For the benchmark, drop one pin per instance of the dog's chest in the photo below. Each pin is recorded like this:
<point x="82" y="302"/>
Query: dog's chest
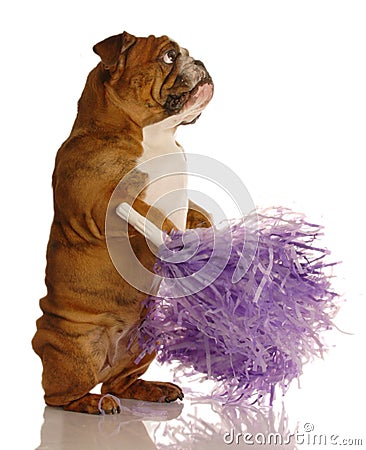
<point x="165" y="164"/>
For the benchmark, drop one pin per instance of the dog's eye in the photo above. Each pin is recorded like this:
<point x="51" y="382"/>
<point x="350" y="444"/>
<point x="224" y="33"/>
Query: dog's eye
<point x="169" y="57"/>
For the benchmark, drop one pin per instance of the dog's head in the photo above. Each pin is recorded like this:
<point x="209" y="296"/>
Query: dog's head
<point x="152" y="79"/>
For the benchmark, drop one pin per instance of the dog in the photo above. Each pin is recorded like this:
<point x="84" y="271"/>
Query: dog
<point x="133" y="101"/>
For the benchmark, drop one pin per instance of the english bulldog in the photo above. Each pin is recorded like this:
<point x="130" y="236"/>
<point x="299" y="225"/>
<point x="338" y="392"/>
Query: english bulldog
<point x="133" y="101"/>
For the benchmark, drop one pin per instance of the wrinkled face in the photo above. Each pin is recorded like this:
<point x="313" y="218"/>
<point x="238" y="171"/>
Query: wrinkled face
<point x="155" y="79"/>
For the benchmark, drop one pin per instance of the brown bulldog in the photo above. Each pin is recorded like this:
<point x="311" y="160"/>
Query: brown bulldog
<point x="131" y="105"/>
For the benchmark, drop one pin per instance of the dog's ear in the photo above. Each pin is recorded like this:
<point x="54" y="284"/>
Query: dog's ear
<point x="111" y="49"/>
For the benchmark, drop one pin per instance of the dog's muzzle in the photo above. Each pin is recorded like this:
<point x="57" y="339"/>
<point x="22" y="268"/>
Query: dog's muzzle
<point x="193" y="74"/>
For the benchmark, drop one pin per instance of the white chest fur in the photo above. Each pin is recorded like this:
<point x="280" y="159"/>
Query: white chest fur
<point x="165" y="164"/>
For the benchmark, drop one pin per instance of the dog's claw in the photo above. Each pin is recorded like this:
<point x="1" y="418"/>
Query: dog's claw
<point x="169" y="400"/>
<point x="116" y="410"/>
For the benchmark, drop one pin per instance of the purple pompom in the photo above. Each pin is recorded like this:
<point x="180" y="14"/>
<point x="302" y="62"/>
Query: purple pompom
<point x="244" y="305"/>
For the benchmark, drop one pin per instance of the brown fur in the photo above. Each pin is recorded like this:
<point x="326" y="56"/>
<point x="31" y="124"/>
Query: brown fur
<point x="89" y="309"/>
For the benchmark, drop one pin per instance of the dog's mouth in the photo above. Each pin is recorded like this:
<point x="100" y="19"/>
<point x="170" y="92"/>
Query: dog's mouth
<point x="196" y="98"/>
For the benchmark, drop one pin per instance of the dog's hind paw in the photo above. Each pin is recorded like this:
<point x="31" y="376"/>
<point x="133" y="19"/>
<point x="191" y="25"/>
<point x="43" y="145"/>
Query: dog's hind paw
<point x="95" y="404"/>
<point x="153" y="391"/>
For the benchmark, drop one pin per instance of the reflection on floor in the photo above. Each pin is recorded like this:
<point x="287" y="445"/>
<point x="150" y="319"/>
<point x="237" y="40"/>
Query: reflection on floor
<point x="189" y="425"/>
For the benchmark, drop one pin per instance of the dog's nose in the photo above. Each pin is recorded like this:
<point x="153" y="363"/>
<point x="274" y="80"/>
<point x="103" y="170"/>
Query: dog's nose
<point x="200" y="64"/>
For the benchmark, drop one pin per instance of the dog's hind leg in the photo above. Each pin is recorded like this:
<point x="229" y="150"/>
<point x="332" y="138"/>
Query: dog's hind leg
<point x="125" y="382"/>
<point x="70" y="372"/>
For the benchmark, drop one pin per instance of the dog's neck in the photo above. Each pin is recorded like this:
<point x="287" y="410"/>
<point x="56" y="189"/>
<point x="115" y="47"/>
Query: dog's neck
<point x="165" y="163"/>
<point x="158" y="140"/>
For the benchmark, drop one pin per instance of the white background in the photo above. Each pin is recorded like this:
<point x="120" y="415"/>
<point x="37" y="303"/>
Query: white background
<point x="288" y="116"/>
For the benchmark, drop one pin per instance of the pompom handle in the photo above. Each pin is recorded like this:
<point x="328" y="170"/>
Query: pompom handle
<point x="141" y="224"/>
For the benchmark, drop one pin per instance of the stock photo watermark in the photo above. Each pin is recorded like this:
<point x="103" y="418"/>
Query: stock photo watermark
<point x="215" y="181"/>
<point x="307" y="436"/>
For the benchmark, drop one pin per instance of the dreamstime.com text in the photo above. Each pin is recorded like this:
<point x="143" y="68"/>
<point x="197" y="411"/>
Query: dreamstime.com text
<point x="307" y="437"/>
